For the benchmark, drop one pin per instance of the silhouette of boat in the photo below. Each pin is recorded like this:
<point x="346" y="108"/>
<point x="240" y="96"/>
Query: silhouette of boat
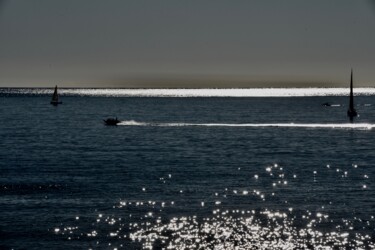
<point x="55" y="98"/>
<point x="326" y="104"/>
<point x="111" y="121"/>
<point x="351" y="110"/>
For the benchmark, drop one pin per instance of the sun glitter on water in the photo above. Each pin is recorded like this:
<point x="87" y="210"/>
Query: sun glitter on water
<point x="229" y="227"/>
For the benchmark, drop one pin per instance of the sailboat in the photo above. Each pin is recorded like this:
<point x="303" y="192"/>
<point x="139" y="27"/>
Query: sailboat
<point x="55" y="98"/>
<point x="351" y="111"/>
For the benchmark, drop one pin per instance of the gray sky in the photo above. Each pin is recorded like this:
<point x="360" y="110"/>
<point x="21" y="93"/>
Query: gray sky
<point x="217" y="43"/>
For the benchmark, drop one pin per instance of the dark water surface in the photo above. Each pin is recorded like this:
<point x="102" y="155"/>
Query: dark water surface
<point x="178" y="174"/>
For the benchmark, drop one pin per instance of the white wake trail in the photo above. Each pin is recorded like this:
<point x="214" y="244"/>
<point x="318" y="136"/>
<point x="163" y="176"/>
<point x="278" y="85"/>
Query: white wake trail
<point x="363" y="126"/>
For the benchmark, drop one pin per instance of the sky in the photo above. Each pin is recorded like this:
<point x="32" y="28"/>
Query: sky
<point x="186" y="44"/>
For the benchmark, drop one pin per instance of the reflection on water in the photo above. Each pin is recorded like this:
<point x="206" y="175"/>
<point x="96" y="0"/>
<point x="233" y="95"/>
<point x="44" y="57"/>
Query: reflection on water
<point x="227" y="229"/>
<point x="186" y="173"/>
<point x="259" y="230"/>
<point x="217" y="222"/>
<point x="253" y="92"/>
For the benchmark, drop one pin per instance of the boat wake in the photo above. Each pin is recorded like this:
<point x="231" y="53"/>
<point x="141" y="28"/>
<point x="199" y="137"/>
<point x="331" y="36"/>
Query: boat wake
<point x="361" y="126"/>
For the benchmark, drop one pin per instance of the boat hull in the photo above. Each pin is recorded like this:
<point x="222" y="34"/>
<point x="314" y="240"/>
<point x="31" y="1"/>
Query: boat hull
<point x="352" y="113"/>
<point x="111" y="122"/>
<point x="55" y="103"/>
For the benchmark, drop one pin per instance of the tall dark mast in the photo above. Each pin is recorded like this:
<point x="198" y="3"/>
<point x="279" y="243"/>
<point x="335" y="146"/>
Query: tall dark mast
<point x="351" y="111"/>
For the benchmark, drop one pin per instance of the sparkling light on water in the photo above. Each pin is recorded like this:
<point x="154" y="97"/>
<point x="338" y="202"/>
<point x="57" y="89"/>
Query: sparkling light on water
<point x="178" y="181"/>
<point x="263" y="228"/>
<point x="254" y="92"/>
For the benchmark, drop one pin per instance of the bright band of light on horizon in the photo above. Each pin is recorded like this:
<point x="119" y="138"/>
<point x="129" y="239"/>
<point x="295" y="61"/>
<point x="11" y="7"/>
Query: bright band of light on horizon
<point x="253" y="92"/>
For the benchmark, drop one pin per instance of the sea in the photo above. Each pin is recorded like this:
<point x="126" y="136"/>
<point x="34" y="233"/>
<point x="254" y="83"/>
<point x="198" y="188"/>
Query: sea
<point x="187" y="169"/>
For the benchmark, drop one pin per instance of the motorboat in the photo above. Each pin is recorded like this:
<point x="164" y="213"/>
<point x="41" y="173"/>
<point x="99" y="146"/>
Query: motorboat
<point x="111" y="121"/>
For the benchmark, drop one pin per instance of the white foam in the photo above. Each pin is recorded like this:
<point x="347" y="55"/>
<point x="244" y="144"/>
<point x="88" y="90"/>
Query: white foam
<point x="364" y="126"/>
<point x="133" y="123"/>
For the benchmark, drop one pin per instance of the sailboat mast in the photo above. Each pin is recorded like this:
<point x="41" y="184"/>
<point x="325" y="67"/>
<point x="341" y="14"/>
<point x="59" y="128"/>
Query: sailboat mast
<point x="55" y="96"/>
<point x="351" y="102"/>
<point x="351" y="111"/>
<point x="55" y="93"/>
